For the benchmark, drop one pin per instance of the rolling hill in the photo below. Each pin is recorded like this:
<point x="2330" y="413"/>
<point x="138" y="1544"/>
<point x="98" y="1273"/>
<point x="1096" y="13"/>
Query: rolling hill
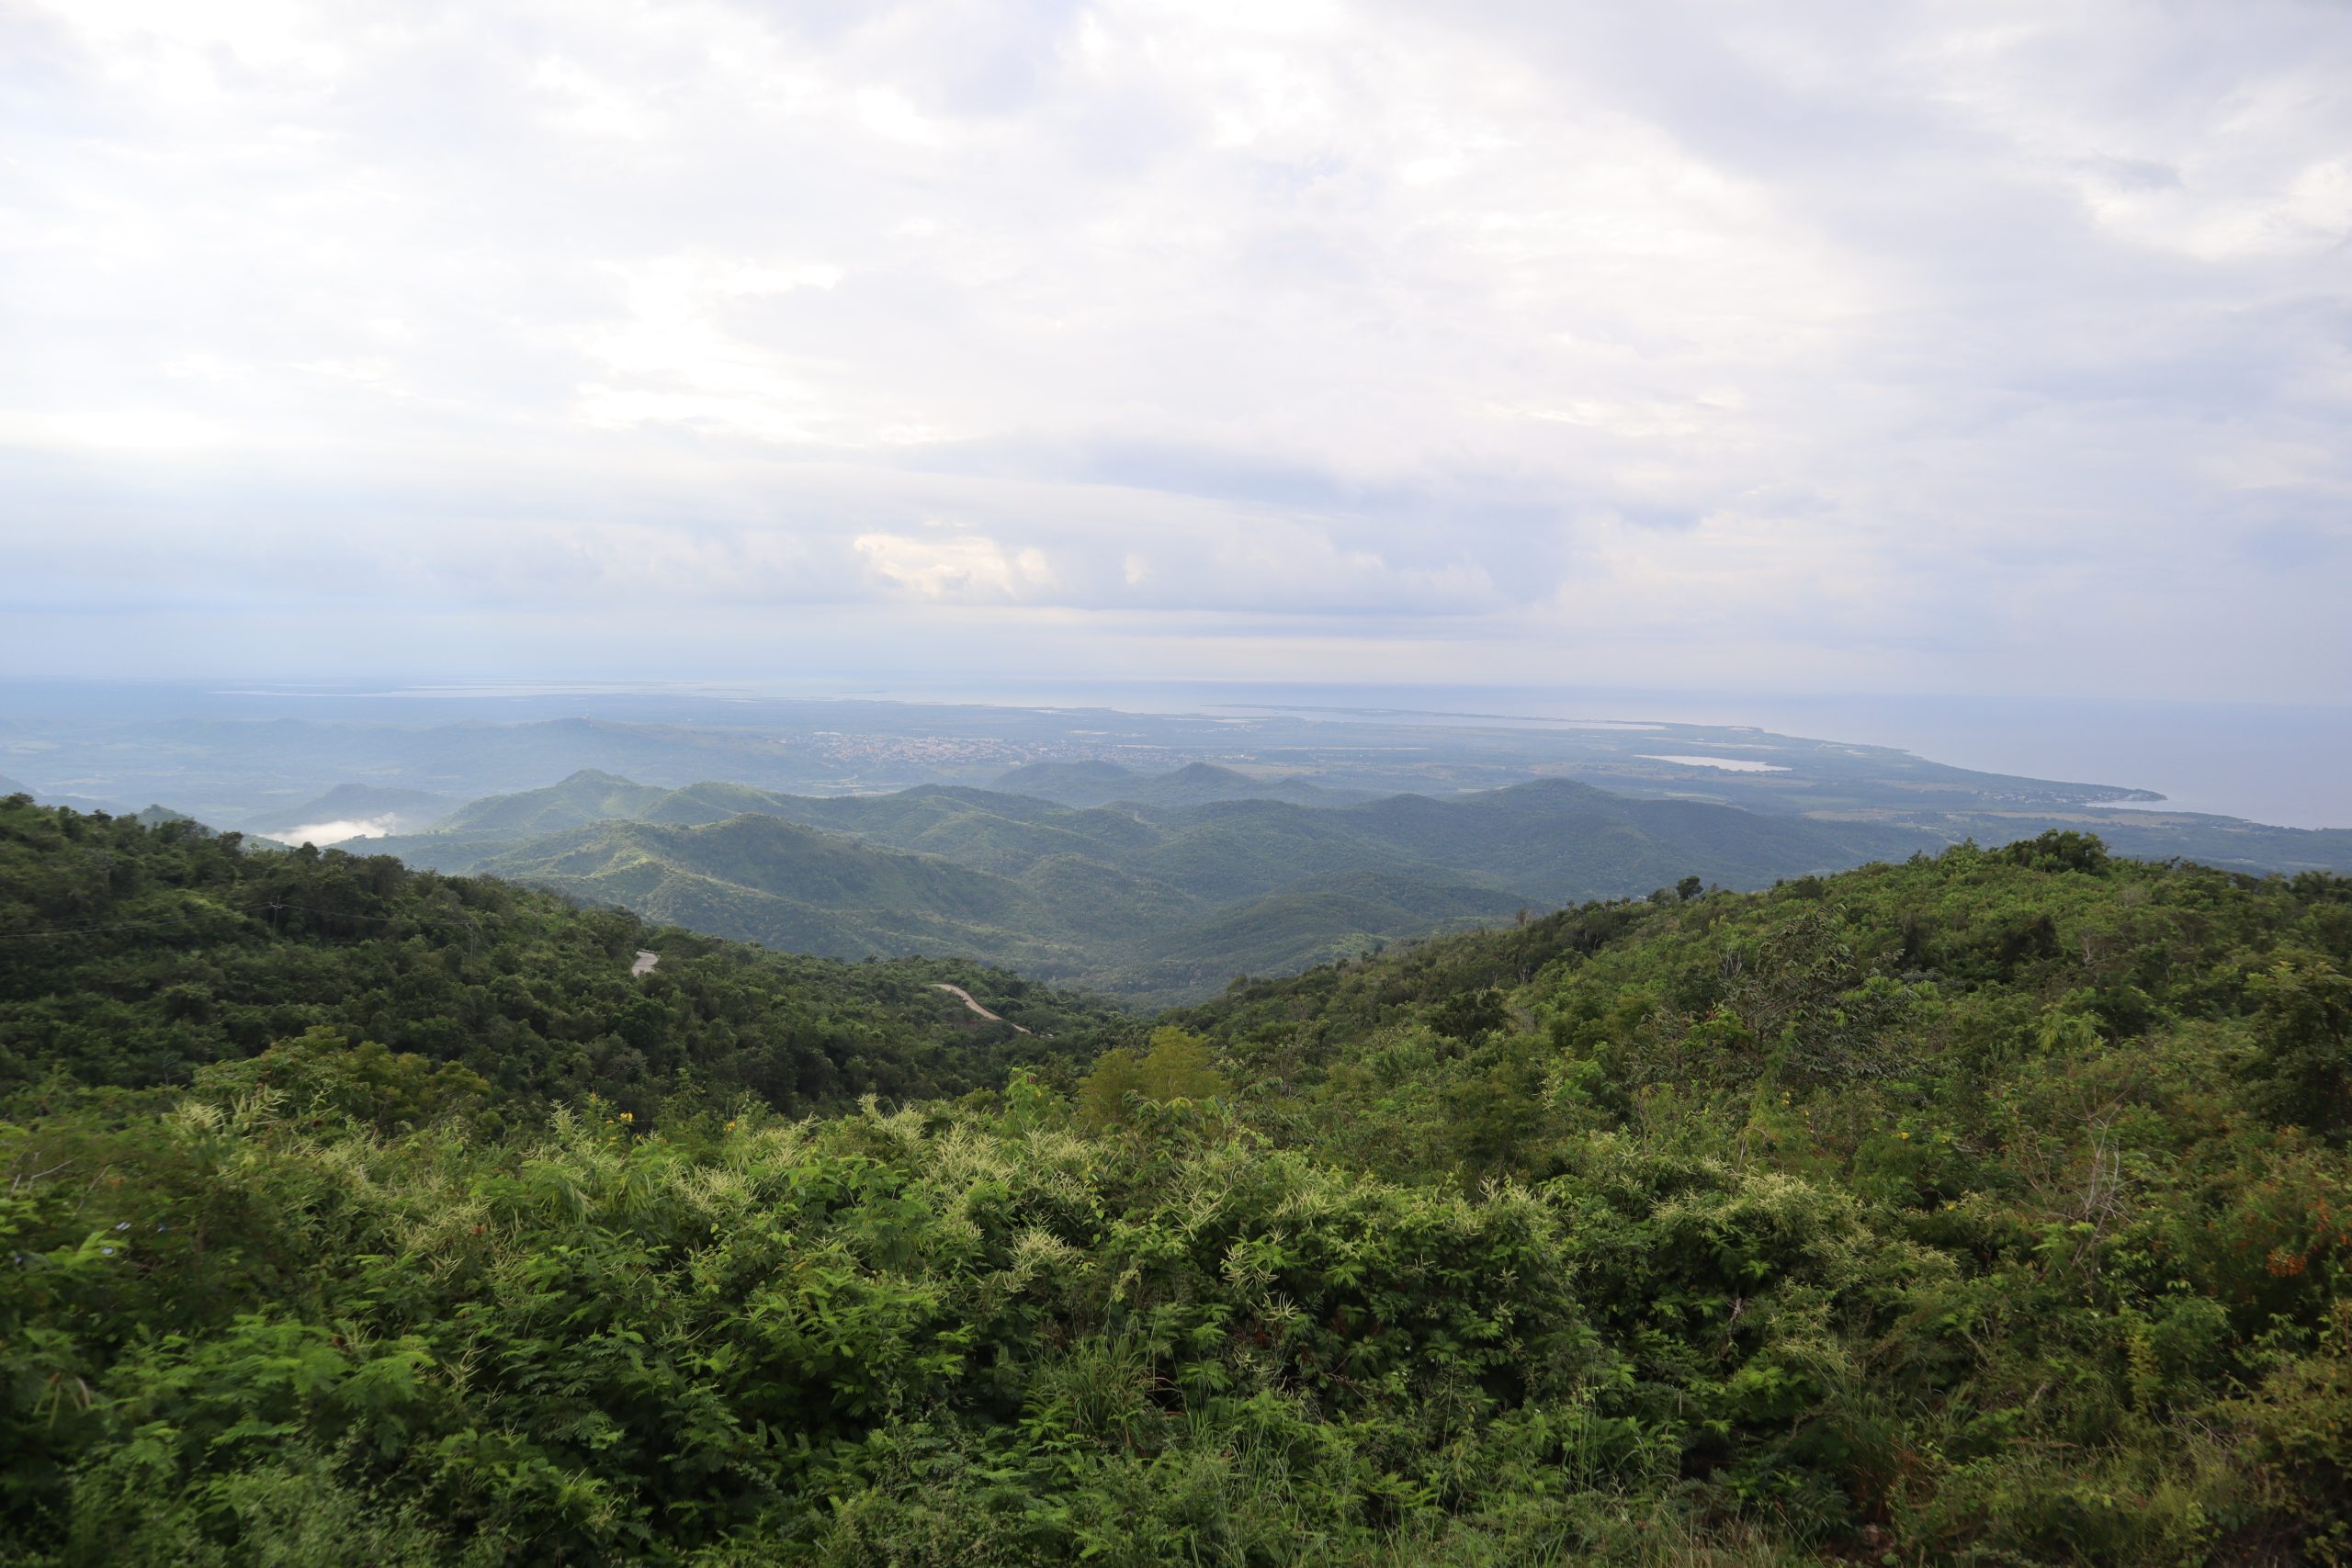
<point x="1196" y="784"/>
<point x="1150" y="903"/>
<point x="792" y="887"/>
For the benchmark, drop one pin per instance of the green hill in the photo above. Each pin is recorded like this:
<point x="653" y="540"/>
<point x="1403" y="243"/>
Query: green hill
<point x="792" y="887"/>
<point x="586" y="797"/>
<point x="1302" y="925"/>
<point x="1570" y="840"/>
<point x="1153" y="905"/>
<point x="1987" y="1208"/>
<point x="1071" y="784"/>
<point x="981" y="829"/>
<point x="1195" y="784"/>
<point x="138" y="954"/>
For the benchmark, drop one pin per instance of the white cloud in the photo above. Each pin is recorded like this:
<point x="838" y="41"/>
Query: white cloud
<point x="962" y="567"/>
<point x="338" y="831"/>
<point x="584" y="103"/>
<point x="116" y="429"/>
<point x="1951" y="346"/>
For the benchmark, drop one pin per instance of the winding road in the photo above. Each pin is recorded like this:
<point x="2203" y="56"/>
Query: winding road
<point x="647" y="959"/>
<point x="960" y="991"/>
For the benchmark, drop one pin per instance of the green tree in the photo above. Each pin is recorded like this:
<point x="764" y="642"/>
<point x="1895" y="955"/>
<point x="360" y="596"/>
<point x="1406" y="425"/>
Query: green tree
<point x="1177" y="1066"/>
<point x="2060" y="849"/>
<point x="322" y="1071"/>
<point x="2303" y="1042"/>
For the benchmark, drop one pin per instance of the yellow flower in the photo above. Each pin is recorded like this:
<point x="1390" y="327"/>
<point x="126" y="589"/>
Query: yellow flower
<point x="630" y="1116"/>
<point x="1902" y="1134"/>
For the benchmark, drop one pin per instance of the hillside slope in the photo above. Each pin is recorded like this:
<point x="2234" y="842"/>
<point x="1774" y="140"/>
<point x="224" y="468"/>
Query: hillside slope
<point x="1987" y="1208"/>
<point x="586" y="797"/>
<point x="794" y="887"/>
<point x="1151" y="904"/>
<point x="136" y="955"/>
<point x="1195" y="784"/>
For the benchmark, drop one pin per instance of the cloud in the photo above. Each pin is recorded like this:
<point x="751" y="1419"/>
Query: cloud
<point x="961" y="566"/>
<point x="341" y="830"/>
<point x="1856" y="346"/>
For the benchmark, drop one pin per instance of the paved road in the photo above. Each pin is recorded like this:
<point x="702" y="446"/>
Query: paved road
<point x="960" y="991"/>
<point x="645" y="962"/>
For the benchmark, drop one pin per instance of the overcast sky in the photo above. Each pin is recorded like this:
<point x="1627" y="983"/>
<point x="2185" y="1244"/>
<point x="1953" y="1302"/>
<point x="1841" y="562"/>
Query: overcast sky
<point x="1966" y="348"/>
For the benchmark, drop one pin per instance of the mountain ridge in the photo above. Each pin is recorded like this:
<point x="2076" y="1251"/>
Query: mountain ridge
<point x="1148" y="903"/>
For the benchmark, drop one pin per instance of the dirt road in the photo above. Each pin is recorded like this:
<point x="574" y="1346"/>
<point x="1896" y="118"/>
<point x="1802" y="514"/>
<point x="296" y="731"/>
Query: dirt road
<point x="645" y="963"/>
<point x="960" y="991"/>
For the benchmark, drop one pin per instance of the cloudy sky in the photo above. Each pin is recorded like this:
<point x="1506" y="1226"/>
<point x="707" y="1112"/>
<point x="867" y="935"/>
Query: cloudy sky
<point x="1969" y="347"/>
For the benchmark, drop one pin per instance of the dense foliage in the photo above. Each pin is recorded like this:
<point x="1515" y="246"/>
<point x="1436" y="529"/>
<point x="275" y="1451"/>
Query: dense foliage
<point x="134" y="954"/>
<point x="1989" y="1208"/>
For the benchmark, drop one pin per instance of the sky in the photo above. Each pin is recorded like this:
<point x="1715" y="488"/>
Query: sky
<point x="1881" y="348"/>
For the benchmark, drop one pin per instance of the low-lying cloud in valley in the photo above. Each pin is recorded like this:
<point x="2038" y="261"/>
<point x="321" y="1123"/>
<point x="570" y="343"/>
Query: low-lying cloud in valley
<point x="342" y="831"/>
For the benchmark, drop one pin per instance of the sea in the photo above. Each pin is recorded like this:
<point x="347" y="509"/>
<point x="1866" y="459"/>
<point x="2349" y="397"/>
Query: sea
<point x="2287" y="765"/>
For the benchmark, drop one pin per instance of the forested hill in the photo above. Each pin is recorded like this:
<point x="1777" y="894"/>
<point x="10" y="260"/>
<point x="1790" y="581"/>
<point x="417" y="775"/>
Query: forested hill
<point x="135" y="955"/>
<point x="1153" y="905"/>
<point x="1950" y="990"/>
<point x="1990" y="1208"/>
<point x="1196" y="784"/>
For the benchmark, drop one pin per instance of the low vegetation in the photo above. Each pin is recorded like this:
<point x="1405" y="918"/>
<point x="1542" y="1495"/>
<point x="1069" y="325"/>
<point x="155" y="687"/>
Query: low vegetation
<point x="1990" y="1207"/>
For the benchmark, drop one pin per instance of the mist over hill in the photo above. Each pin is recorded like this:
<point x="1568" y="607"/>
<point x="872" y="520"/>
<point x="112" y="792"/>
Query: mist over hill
<point x="352" y="811"/>
<point x="270" y="760"/>
<point x="228" y="756"/>
<point x="1135" y="853"/>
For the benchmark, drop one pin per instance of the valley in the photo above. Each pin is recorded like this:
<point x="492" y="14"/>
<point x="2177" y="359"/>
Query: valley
<point x="1162" y="888"/>
<point x="1148" y="858"/>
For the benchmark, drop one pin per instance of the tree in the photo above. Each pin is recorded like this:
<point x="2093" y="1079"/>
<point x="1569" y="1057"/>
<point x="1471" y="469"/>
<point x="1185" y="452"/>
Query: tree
<point x="320" y="1070"/>
<point x="2304" y="1030"/>
<point x="2059" y="849"/>
<point x="1178" y="1066"/>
